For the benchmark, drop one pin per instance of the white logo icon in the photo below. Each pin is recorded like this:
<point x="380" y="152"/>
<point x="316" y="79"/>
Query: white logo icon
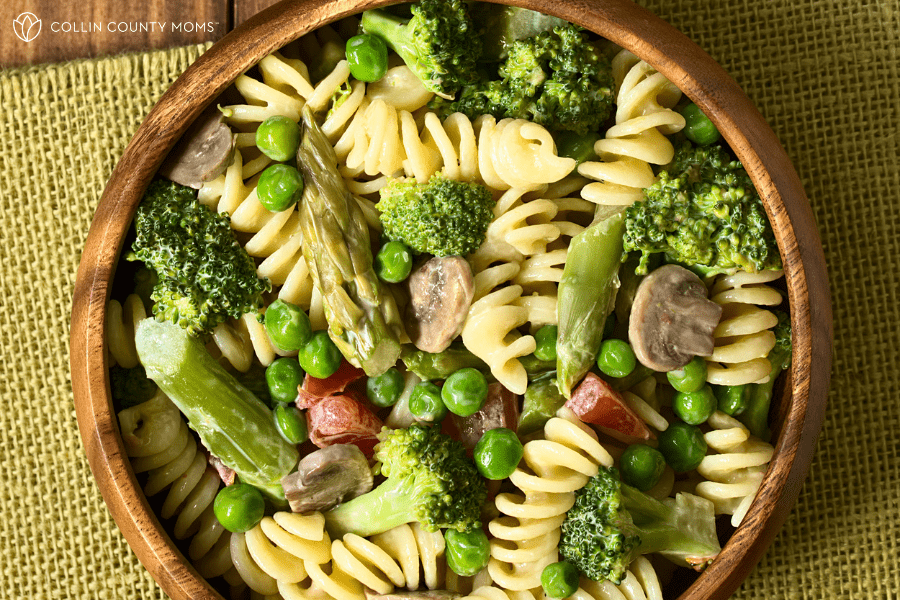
<point x="27" y="26"/>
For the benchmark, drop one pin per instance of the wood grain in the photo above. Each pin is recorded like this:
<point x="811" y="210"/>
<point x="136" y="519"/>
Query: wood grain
<point x="72" y="29"/>
<point x="244" y="9"/>
<point x="803" y="401"/>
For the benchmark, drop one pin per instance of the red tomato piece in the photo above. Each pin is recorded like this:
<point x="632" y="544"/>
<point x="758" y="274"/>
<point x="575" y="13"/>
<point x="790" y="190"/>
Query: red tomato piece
<point x="595" y="402"/>
<point x="501" y="409"/>
<point x="343" y="420"/>
<point x="313" y="389"/>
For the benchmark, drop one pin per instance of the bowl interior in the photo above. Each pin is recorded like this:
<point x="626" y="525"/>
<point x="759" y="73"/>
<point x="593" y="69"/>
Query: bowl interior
<point x="799" y="408"/>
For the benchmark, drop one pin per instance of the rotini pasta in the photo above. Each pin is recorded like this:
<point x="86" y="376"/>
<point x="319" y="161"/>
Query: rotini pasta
<point x="743" y="337"/>
<point x="121" y="321"/>
<point x="527" y="533"/>
<point x="490" y="330"/>
<point x="292" y="555"/>
<point x="159" y="443"/>
<point x="736" y="471"/>
<point x="384" y="140"/>
<point x="644" y="99"/>
<point x="640" y="583"/>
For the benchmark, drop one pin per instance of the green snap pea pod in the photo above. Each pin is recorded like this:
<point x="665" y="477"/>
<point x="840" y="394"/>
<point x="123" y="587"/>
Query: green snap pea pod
<point x="440" y="365"/>
<point x="586" y="293"/>
<point x="232" y="423"/>
<point x="363" y="319"/>
<point x="542" y="400"/>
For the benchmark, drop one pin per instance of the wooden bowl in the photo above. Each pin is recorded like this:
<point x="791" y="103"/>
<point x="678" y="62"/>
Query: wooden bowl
<point x="800" y="408"/>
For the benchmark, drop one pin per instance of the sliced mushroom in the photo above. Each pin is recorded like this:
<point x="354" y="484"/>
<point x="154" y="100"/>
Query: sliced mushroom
<point x="440" y="293"/>
<point x="327" y="477"/>
<point x="671" y="319"/>
<point x="204" y="152"/>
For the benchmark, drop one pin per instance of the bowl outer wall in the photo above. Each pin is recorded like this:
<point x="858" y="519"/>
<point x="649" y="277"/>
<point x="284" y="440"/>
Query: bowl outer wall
<point x="620" y="21"/>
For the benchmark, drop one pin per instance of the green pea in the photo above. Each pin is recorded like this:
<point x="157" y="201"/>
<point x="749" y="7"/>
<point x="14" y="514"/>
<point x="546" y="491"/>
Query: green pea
<point x="279" y="187"/>
<point x="732" y="399"/>
<point x="689" y="378"/>
<point x="393" y="262"/>
<point x="425" y="403"/>
<point x="319" y="356"/>
<point x="239" y="507"/>
<point x="278" y="138"/>
<point x="545" y="338"/>
<point x="464" y="392"/>
<point x="497" y="453"/>
<point x="576" y="145"/>
<point x="559" y="580"/>
<point x="694" y="408"/>
<point x="367" y="56"/>
<point x="642" y="466"/>
<point x="385" y="389"/>
<point x="698" y="127"/>
<point x="291" y="423"/>
<point x="287" y="325"/>
<point x="467" y="553"/>
<point x="283" y="377"/>
<point x="616" y="358"/>
<point x="683" y="446"/>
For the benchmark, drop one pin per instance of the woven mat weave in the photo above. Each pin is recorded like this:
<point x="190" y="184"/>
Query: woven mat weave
<point x="823" y="72"/>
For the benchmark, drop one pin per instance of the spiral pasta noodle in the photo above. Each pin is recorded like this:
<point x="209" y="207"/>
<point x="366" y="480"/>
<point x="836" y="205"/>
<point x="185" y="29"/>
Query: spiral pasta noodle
<point x="733" y="475"/>
<point x="383" y="140"/>
<point x="121" y="321"/>
<point x="643" y="118"/>
<point x="490" y="592"/>
<point x="158" y="442"/>
<point x="640" y="583"/>
<point x="527" y="533"/>
<point x="292" y="555"/>
<point x="743" y="337"/>
<point x="490" y="329"/>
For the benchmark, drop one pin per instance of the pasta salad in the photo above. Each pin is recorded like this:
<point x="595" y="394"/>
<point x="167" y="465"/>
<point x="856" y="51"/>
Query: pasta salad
<point x="449" y="299"/>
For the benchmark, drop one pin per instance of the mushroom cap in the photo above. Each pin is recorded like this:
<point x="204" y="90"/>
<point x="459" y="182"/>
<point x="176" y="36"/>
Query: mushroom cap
<point x="203" y="153"/>
<point x="672" y="320"/>
<point x="327" y="477"/>
<point x="440" y="293"/>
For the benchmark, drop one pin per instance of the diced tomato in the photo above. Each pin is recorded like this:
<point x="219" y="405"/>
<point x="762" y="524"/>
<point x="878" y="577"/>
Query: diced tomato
<point x="595" y="402"/>
<point x="501" y="409"/>
<point x="312" y="390"/>
<point x="226" y="474"/>
<point x="343" y="419"/>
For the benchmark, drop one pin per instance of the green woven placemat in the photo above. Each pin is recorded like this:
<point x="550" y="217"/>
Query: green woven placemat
<point x="823" y="72"/>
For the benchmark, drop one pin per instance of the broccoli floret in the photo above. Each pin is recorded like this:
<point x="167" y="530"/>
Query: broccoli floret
<point x="613" y="523"/>
<point x="441" y="217"/>
<point x="440" y="42"/>
<point x="130" y="387"/>
<point x="759" y="399"/>
<point x="430" y="479"/>
<point x="556" y="78"/>
<point x="704" y="212"/>
<point x="205" y="276"/>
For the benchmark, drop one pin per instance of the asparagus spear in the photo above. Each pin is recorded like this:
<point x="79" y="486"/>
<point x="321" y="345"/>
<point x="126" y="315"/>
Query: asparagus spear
<point x="440" y="365"/>
<point x="232" y="423"/>
<point x="363" y="319"/>
<point x="586" y="296"/>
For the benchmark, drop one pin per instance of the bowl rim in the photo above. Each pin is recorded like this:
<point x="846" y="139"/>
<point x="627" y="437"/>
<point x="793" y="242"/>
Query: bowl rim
<point x="620" y="21"/>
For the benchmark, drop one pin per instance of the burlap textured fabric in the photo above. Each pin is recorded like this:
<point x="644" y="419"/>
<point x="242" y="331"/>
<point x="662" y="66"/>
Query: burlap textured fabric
<point x="824" y="73"/>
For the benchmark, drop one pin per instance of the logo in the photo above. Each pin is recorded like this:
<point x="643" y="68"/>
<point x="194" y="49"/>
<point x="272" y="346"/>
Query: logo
<point x="27" y="26"/>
